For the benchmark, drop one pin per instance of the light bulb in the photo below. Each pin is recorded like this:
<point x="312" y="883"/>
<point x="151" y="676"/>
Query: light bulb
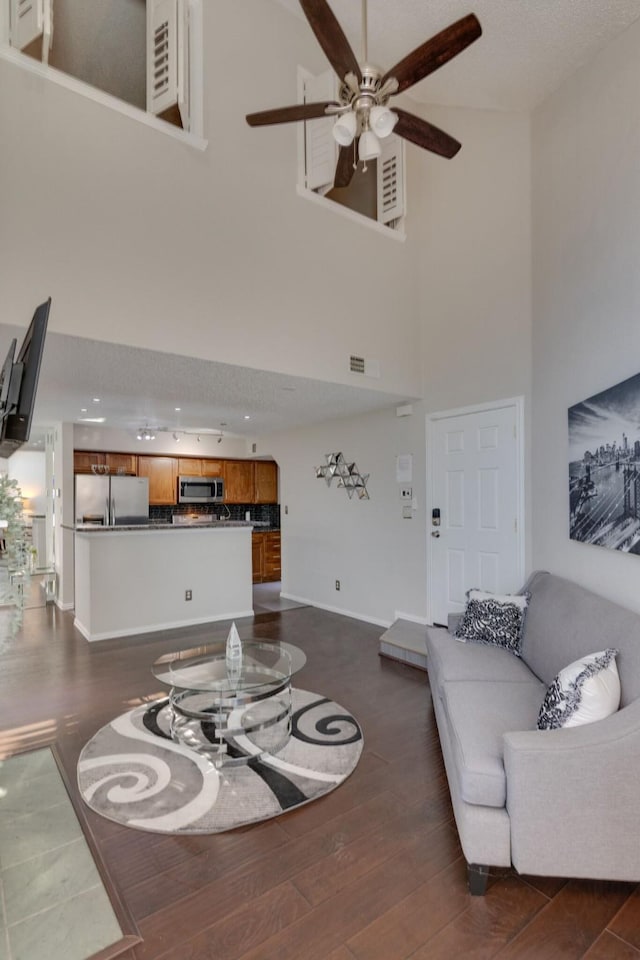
<point x="344" y="129"/>
<point x="368" y="146"/>
<point x="382" y="121"/>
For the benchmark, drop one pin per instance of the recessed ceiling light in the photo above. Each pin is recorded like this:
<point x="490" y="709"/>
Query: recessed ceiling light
<point x="83" y="409"/>
<point x="177" y="409"/>
<point x="96" y="399"/>
<point x="247" y="417"/>
<point x="91" y="419"/>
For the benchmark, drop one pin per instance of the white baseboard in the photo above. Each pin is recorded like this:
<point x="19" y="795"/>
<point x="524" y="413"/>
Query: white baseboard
<point x="64" y="606"/>
<point x="345" y="613"/>
<point x="411" y="618"/>
<point x="156" y="627"/>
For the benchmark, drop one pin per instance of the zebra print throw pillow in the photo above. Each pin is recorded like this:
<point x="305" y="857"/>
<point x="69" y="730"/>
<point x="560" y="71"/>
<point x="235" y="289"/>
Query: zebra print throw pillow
<point x="493" y="619"/>
<point x="586" y="690"/>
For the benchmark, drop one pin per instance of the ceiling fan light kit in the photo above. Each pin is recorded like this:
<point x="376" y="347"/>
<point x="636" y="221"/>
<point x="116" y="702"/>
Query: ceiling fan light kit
<point x="344" y="129"/>
<point x="362" y="109"/>
<point x="368" y="146"/>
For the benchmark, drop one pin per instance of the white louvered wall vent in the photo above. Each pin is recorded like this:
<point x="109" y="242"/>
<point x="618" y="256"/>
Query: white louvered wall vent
<point x="161" y="55"/>
<point x="370" y="368"/>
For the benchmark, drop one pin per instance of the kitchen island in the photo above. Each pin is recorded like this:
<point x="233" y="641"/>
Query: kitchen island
<point x="136" y="579"/>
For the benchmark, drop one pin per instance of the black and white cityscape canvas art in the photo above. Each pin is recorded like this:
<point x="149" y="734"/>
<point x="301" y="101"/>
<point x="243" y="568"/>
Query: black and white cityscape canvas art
<point x="604" y="468"/>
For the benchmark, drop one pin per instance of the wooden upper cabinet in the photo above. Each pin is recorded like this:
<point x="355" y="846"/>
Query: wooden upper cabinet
<point x="266" y="481"/>
<point x="195" y="467"/>
<point x="189" y="467"/>
<point x="84" y="460"/>
<point x="212" y="468"/>
<point x="122" y="463"/>
<point x="163" y="479"/>
<point x="238" y="481"/>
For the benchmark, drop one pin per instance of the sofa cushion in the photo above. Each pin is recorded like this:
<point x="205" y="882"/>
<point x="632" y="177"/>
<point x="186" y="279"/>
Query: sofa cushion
<point x="449" y="660"/>
<point x="585" y="691"/>
<point x="493" y="619"/>
<point x="566" y="622"/>
<point x="478" y="716"/>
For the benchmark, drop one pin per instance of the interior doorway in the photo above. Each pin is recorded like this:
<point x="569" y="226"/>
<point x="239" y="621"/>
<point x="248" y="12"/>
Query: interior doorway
<point x="475" y="519"/>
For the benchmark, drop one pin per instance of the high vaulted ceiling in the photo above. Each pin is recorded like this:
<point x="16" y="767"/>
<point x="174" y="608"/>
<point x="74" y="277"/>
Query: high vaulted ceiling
<point x="527" y="49"/>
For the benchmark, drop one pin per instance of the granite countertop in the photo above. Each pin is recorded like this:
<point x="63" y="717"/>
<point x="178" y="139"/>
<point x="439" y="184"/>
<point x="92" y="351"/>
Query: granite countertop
<point x="140" y="527"/>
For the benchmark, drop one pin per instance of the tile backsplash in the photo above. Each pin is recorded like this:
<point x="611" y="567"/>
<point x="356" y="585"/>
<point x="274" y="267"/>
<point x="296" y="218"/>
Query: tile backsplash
<point x="264" y="512"/>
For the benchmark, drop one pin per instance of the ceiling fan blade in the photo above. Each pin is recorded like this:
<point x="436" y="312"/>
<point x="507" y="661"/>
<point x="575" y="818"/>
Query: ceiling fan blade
<point x="344" y="167"/>
<point x="331" y="38"/>
<point x="299" y="111"/>
<point x="425" y="135"/>
<point x="435" y="52"/>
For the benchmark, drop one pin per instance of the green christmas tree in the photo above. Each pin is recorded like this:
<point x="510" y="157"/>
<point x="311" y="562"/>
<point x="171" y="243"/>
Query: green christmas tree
<point x="15" y="561"/>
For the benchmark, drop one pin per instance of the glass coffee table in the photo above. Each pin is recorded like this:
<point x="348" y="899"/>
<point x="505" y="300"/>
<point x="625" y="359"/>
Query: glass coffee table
<point x="231" y="715"/>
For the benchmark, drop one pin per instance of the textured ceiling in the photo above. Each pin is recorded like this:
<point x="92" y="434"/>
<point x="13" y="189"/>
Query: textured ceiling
<point x="527" y="49"/>
<point x="143" y="387"/>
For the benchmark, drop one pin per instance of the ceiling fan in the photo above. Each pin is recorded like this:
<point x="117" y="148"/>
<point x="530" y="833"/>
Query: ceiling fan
<point x="361" y="111"/>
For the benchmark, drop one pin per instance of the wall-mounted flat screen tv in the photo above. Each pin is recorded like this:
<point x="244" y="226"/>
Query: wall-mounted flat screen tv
<point x="19" y="393"/>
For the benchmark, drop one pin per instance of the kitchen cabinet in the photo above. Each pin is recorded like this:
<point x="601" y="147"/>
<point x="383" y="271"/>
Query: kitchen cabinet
<point x="189" y="467"/>
<point x="257" y="556"/>
<point x="199" y="467"/>
<point x="84" y="460"/>
<point x="272" y="564"/>
<point x="265" y="481"/>
<point x="238" y="481"/>
<point x="266" y="556"/>
<point x="212" y="468"/>
<point x="163" y="479"/>
<point x="122" y="463"/>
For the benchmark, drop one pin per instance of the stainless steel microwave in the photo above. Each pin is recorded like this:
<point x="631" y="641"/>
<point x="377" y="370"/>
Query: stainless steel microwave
<point x="200" y="489"/>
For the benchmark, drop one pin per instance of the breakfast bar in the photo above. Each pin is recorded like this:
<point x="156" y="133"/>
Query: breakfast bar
<point x="141" y="578"/>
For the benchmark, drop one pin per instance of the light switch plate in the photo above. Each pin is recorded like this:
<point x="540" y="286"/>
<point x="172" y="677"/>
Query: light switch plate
<point x="406" y="493"/>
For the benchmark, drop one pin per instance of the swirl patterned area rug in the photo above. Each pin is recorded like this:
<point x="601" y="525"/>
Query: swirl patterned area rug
<point x="132" y="772"/>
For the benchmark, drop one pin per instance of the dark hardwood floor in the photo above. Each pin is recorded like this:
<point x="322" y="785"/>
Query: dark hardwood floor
<point x="372" y="871"/>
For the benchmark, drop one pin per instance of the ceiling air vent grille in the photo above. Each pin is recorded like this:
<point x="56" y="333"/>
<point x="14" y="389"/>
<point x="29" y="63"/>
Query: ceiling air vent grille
<point x="356" y="364"/>
<point x="161" y="59"/>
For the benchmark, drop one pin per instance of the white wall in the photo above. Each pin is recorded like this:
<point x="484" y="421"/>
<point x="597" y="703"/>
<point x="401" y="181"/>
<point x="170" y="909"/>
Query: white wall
<point x="142" y="240"/>
<point x="378" y="557"/>
<point x="63" y="509"/>
<point x="28" y="469"/>
<point x="586" y="197"/>
<point x="475" y="259"/>
<point x="473" y="217"/>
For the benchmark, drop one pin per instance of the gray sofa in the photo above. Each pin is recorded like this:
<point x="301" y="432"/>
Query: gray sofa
<point x="562" y="803"/>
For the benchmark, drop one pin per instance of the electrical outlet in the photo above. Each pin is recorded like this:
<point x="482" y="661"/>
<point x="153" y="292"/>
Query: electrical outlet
<point x="188" y="595"/>
<point x="337" y="584"/>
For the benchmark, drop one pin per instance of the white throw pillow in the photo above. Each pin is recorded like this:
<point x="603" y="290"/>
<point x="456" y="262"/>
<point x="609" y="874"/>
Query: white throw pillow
<point x="586" y="690"/>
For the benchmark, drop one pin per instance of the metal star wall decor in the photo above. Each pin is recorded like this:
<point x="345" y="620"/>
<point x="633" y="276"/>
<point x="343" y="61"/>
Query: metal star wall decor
<point x="346" y="474"/>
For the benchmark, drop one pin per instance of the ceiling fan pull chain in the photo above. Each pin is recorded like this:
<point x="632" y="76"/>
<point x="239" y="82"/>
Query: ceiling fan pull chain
<point x="355" y="156"/>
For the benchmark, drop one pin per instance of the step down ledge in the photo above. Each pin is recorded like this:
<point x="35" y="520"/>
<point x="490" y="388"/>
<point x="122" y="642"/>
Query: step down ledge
<point x="405" y="641"/>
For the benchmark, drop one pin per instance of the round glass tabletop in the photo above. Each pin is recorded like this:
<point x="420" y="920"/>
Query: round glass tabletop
<point x="205" y="668"/>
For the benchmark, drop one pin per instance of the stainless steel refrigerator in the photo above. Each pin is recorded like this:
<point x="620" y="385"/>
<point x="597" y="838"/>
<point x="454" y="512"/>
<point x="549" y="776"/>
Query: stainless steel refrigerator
<point x="112" y="501"/>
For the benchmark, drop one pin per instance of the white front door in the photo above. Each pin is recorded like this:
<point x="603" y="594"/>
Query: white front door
<point x="476" y="495"/>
